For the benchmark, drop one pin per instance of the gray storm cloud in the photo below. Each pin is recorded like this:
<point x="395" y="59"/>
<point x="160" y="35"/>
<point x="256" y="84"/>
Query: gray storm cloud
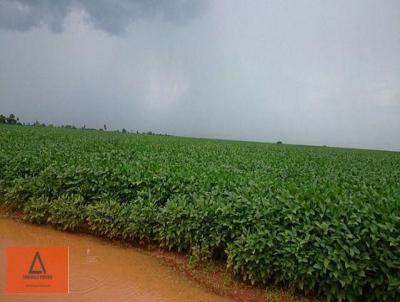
<point x="110" y="16"/>
<point x="302" y="72"/>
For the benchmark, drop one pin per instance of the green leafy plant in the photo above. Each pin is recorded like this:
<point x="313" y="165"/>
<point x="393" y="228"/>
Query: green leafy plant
<point x="37" y="210"/>
<point x="68" y="212"/>
<point x="107" y="218"/>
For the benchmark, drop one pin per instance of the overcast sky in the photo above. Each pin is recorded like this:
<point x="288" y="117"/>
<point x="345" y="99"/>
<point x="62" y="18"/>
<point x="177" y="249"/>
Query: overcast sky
<point x="303" y="72"/>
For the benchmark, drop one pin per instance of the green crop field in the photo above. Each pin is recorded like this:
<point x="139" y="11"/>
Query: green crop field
<point x="320" y="220"/>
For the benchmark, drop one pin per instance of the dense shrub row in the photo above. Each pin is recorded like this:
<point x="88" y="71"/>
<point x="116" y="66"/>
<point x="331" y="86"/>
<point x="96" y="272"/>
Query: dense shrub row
<point x="319" y="220"/>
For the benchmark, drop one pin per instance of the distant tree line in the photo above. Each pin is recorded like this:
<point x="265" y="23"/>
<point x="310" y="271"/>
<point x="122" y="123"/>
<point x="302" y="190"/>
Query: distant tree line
<point x="11" y="119"/>
<point x="14" y="120"/>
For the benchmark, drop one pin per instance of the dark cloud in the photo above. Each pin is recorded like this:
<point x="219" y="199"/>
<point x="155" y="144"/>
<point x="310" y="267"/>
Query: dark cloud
<point x="110" y="16"/>
<point x="24" y="15"/>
